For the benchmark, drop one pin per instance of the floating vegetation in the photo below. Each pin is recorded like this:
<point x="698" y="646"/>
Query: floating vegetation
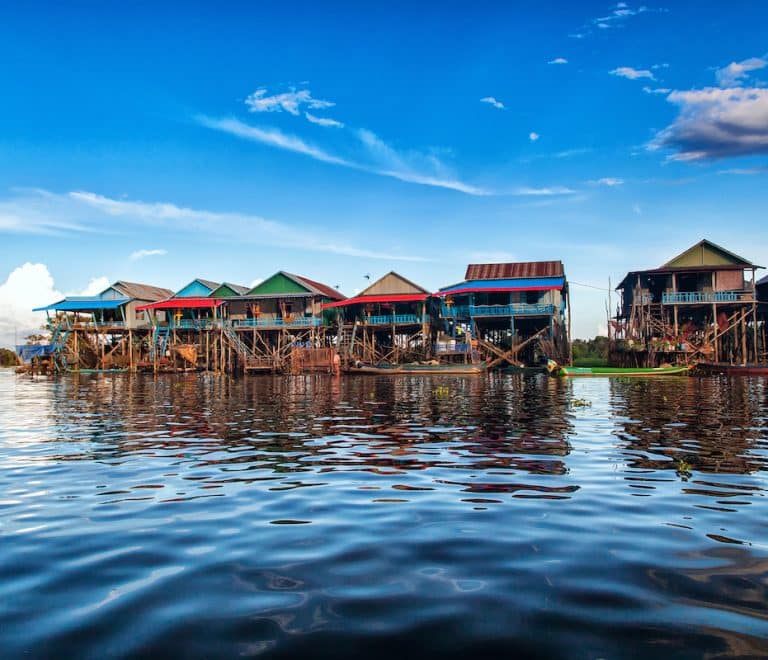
<point x="581" y="403"/>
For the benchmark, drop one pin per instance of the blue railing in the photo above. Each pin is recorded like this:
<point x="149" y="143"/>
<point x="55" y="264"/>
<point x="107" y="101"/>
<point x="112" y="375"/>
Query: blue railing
<point x="389" y="319"/>
<point x="466" y="311"/>
<point x="703" y="296"/>
<point x="192" y="324"/>
<point x="266" y="322"/>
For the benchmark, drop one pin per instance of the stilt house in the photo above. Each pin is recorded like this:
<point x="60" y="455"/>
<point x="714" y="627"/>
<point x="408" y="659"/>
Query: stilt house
<point x="386" y="322"/>
<point x="700" y="305"/>
<point x="516" y="312"/>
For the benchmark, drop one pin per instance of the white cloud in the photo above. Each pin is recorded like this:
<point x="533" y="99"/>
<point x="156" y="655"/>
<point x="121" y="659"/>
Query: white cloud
<point x="323" y="121"/>
<point x="492" y="101"/>
<point x="733" y="74"/>
<point x="716" y="123"/>
<point x="656" y="90"/>
<point x="558" y="60"/>
<point x="636" y="209"/>
<point x="290" y="101"/>
<point x="533" y="136"/>
<point x="632" y="74"/>
<point x="28" y="286"/>
<point x="256" y="282"/>
<point x="141" y="254"/>
<point x="388" y="162"/>
<point x="608" y="181"/>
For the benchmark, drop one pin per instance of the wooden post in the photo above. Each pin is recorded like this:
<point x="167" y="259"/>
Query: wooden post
<point x="714" y="326"/>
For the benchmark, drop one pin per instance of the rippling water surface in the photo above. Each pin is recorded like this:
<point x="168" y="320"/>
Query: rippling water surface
<point x="204" y="516"/>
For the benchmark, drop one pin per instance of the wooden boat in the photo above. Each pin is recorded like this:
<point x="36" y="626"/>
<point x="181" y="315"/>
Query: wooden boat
<point x="424" y="369"/>
<point x="732" y="369"/>
<point x="633" y="372"/>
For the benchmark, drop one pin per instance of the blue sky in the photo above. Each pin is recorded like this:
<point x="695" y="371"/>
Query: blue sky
<point x="229" y="141"/>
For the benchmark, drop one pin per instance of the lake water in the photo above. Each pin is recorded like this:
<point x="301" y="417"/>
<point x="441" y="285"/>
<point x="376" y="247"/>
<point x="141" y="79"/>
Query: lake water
<point x="202" y="516"/>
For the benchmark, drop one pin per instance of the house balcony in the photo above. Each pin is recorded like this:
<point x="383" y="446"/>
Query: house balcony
<point x="396" y="319"/>
<point x="472" y="311"/>
<point x="694" y="297"/>
<point x="266" y="322"/>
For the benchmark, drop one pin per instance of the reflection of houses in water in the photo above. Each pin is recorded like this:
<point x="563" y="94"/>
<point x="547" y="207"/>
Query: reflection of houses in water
<point x="260" y="430"/>
<point x="712" y="425"/>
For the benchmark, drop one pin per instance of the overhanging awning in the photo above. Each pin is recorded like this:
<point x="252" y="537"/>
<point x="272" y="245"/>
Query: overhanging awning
<point x="83" y="305"/>
<point x="365" y="300"/>
<point x="183" y="303"/>
<point x="490" y="286"/>
<point x="27" y="353"/>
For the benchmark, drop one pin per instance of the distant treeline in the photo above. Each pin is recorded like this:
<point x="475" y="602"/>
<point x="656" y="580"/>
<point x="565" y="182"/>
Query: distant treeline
<point x="590" y="352"/>
<point x="8" y="358"/>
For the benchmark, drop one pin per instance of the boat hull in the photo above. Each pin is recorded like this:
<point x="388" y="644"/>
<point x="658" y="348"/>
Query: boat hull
<point x="620" y="371"/>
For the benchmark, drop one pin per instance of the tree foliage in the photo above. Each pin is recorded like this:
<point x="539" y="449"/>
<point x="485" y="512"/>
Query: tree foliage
<point x="8" y="358"/>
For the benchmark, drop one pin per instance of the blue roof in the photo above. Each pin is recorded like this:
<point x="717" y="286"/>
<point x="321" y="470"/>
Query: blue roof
<point x="26" y="353"/>
<point x="83" y="304"/>
<point x="521" y="283"/>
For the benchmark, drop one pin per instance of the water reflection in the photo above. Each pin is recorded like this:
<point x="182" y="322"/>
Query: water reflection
<point x="202" y="515"/>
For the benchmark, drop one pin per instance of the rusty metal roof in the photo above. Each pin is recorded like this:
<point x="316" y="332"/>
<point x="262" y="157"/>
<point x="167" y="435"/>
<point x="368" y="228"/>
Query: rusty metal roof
<point x="141" y="291"/>
<point x="515" y="270"/>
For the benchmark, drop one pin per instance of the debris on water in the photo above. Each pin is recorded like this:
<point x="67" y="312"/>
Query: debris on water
<point x="581" y="403"/>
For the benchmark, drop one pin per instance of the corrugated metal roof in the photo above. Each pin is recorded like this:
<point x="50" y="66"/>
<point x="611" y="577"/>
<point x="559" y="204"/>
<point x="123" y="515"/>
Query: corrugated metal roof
<point x="141" y="291"/>
<point x="83" y="304"/>
<point x="515" y="270"/>
<point x="519" y="284"/>
<point x="321" y="288"/>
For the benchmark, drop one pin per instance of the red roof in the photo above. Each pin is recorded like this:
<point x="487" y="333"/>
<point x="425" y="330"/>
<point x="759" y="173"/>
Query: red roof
<point x="363" y="300"/>
<point x="514" y="270"/>
<point x="182" y="303"/>
<point x="333" y="294"/>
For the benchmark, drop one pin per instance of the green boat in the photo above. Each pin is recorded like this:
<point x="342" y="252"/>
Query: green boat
<point x="557" y="370"/>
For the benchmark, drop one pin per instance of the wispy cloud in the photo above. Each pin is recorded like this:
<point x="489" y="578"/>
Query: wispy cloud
<point x="141" y="254"/>
<point x="632" y="74"/>
<point x="533" y="136"/>
<point x="413" y="167"/>
<point x="384" y="160"/>
<point x="736" y="72"/>
<point x="272" y="137"/>
<point x="526" y="191"/>
<point x="745" y="170"/>
<point x="139" y="217"/>
<point x="323" y="121"/>
<point x="608" y="181"/>
<point x="620" y="13"/>
<point x="656" y="90"/>
<point x="490" y="100"/>
<point x="291" y="101"/>
<point x="558" y="60"/>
